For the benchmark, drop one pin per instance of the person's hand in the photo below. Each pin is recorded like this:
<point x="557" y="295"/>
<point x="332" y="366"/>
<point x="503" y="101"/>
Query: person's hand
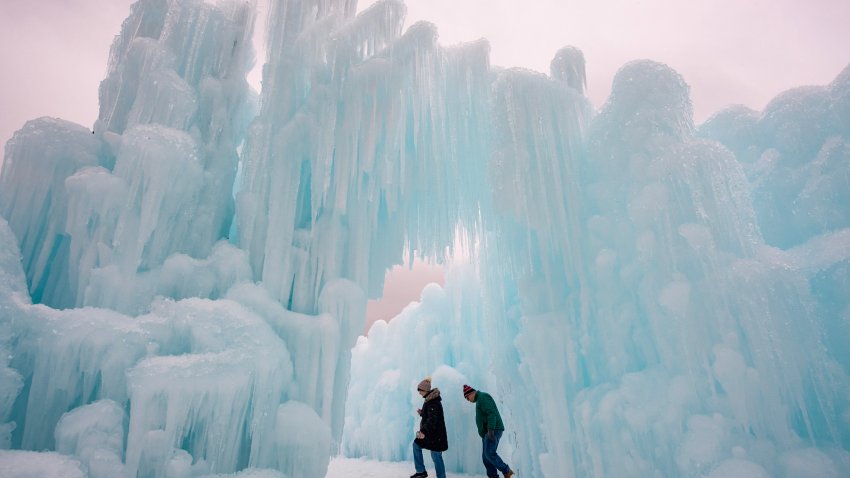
<point x="491" y="434"/>
<point x="419" y="411"/>
<point x="420" y="435"/>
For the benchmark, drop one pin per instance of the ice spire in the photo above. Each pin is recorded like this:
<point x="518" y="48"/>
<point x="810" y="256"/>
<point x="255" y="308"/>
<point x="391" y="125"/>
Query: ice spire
<point x="568" y="66"/>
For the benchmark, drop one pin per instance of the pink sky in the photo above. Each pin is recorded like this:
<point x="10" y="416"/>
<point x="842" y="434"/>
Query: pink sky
<point x="730" y="51"/>
<point x="403" y="285"/>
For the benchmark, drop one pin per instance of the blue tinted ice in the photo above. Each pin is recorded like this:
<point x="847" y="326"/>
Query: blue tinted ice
<point x="644" y="296"/>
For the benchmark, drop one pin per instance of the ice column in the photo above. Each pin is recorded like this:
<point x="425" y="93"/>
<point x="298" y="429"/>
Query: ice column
<point x="663" y="323"/>
<point x="355" y="155"/>
<point x="39" y="158"/>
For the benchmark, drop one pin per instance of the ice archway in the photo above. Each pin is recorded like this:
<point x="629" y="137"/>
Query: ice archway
<point x="624" y="305"/>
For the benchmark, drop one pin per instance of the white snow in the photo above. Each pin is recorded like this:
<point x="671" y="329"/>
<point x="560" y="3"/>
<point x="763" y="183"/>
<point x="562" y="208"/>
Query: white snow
<point x="363" y="468"/>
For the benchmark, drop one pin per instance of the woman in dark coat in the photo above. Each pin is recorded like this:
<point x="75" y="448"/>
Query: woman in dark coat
<point x="432" y="431"/>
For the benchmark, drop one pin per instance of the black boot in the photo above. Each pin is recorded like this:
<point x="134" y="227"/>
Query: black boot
<point x="419" y="475"/>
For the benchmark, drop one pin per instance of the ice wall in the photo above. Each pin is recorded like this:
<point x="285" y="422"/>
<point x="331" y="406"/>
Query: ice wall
<point x="638" y="323"/>
<point x="676" y="315"/>
<point x="361" y="141"/>
<point x="649" y="298"/>
<point x="195" y="375"/>
<point x="149" y="350"/>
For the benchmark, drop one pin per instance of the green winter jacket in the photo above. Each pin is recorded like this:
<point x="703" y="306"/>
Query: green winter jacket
<point x="487" y="414"/>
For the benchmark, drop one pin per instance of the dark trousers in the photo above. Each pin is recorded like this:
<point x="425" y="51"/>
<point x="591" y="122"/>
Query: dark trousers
<point x="491" y="459"/>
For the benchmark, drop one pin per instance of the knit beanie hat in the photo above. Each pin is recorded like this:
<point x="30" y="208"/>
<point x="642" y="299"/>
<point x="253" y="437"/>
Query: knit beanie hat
<point x="467" y="390"/>
<point x="425" y="385"/>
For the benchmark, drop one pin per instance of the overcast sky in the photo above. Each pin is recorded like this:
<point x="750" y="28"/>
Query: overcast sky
<point x="54" y="52"/>
<point x="729" y="51"/>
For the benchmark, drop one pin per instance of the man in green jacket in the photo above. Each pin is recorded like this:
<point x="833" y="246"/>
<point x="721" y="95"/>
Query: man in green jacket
<point x="490" y="429"/>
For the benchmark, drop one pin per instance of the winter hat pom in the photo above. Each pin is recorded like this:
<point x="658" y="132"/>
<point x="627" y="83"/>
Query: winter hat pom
<point x="467" y="390"/>
<point x="425" y="385"/>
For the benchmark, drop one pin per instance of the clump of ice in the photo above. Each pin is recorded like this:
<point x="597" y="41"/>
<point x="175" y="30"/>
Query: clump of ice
<point x="95" y="435"/>
<point x="569" y="66"/>
<point x="737" y="468"/>
<point x="29" y="464"/>
<point x="301" y="433"/>
<point x="250" y="473"/>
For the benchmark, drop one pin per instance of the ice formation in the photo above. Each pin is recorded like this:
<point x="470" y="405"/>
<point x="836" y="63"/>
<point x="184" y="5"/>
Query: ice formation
<point x="181" y="286"/>
<point x="638" y="320"/>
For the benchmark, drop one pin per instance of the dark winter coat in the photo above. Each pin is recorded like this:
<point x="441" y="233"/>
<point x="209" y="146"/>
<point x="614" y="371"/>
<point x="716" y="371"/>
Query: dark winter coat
<point x="433" y="424"/>
<point x="487" y="414"/>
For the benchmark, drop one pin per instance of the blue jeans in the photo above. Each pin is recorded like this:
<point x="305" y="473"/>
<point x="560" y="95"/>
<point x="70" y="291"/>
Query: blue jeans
<point x="419" y="463"/>
<point x="492" y="461"/>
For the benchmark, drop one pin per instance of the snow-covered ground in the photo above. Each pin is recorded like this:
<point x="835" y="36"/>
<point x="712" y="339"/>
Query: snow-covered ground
<point x="361" y="468"/>
<point x="29" y="464"/>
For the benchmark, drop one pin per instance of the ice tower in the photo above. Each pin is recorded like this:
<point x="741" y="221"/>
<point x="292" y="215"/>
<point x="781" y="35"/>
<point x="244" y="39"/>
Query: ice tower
<point x="149" y="330"/>
<point x="180" y="286"/>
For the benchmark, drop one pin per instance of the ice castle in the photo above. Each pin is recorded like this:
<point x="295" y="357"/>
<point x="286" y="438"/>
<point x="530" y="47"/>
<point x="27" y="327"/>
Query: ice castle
<point x="182" y="287"/>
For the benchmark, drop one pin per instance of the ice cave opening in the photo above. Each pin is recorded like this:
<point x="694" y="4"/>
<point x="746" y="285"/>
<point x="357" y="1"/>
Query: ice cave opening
<point x="403" y="286"/>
